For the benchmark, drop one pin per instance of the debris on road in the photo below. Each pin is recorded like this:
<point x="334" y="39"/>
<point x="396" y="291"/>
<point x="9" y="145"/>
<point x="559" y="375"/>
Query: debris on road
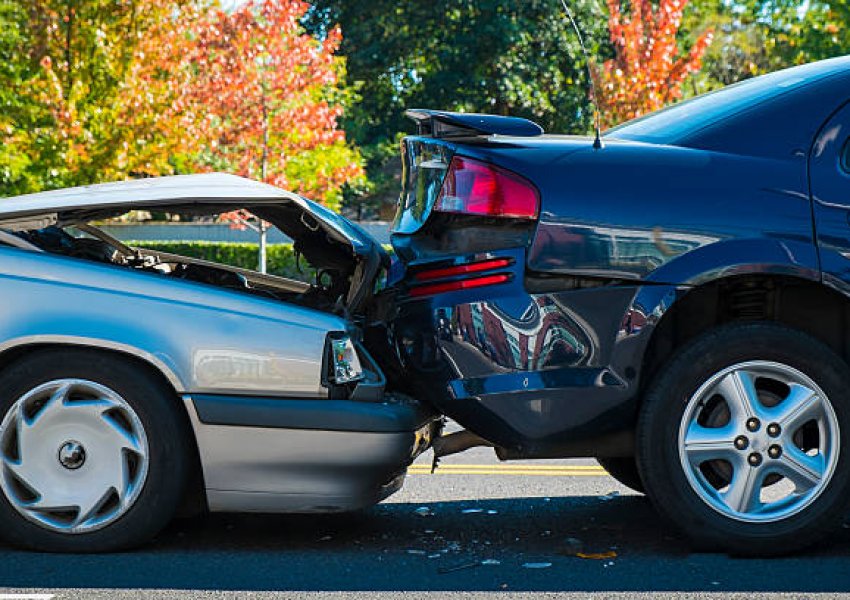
<point x="597" y="555"/>
<point x="460" y="567"/>
<point x="609" y="496"/>
<point x="536" y="565"/>
<point x="424" y="511"/>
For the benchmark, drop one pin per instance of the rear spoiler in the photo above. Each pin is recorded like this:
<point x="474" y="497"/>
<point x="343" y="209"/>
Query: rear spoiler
<point x="442" y="124"/>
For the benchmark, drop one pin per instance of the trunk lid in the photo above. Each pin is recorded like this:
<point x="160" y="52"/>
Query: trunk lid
<point x="327" y="240"/>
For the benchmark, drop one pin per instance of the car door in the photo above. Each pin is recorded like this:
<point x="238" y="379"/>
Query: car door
<point x="829" y="172"/>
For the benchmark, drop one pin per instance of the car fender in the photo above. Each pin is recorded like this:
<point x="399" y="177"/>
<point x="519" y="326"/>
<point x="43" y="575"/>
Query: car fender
<point x="202" y="338"/>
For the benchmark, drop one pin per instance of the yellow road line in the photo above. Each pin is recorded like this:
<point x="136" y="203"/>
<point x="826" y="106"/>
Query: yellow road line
<point x="512" y="473"/>
<point x="512" y="469"/>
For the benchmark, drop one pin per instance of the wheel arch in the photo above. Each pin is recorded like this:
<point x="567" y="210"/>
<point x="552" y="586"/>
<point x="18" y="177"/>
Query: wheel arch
<point x="14" y="348"/>
<point x="797" y="302"/>
<point x="194" y="500"/>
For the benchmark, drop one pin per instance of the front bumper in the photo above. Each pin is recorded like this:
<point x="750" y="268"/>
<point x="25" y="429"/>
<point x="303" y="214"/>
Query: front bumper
<point x="300" y="455"/>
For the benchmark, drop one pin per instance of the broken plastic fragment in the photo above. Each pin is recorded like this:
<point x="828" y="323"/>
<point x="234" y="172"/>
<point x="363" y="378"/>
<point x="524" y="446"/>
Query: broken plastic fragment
<point x="460" y="567"/>
<point x="597" y="555"/>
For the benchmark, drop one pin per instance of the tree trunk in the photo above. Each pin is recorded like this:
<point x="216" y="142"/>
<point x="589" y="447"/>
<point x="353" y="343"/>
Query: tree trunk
<point x="69" y="55"/>
<point x="263" y="173"/>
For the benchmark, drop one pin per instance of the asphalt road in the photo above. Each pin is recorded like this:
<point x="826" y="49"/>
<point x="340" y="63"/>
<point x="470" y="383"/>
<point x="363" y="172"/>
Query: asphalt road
<point x="468" y="531"/>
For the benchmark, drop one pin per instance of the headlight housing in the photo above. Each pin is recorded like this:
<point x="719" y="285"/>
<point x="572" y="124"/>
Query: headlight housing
<point x="343" y="361"/>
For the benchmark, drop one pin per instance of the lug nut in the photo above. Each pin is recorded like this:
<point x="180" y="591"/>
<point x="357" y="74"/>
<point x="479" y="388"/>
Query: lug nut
<point x="773" y="430"/>
<point x="754" y="459"/>
<point x="774" y="451"/>
<point x="753" y="424"/>
<point x="741" y="442"/>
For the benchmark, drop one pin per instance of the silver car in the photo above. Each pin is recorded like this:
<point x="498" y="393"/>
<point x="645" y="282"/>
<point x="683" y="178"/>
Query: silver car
<point x="133" y="381"/>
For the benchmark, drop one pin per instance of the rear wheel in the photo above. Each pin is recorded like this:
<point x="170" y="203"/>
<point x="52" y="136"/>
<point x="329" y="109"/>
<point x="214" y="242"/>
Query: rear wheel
<point x="625" y="470"/>
<point x="743" y="440"/>
<point x="93" y="453"/>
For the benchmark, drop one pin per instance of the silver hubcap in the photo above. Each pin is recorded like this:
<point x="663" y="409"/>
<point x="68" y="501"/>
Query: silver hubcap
<point x="73" y="456"/>
<point x="759" y="441"/>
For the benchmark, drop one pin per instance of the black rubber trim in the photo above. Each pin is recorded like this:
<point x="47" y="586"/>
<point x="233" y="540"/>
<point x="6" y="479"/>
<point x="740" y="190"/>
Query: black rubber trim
<point x="318" y="414"/>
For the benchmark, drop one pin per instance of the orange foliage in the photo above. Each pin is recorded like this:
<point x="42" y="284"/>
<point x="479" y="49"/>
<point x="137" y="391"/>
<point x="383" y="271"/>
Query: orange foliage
<point x="259" y="90"/>
<point x="248" y="92"/>
<point x="647" y="72"/>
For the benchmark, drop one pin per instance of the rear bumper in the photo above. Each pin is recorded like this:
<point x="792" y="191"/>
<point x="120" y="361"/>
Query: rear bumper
<point x="285" y="455"/>
<point x="546" y="374"/>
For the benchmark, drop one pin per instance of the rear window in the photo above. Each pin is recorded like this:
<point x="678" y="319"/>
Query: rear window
<point x="677" y="122"/>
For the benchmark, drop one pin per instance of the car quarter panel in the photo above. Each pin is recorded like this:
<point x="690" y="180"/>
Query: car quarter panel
<point x="673" y="215"/>
<point x="203" y="339"/>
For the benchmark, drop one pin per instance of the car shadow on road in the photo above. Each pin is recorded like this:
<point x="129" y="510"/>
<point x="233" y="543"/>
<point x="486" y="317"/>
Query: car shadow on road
<point x="518" y="544"/>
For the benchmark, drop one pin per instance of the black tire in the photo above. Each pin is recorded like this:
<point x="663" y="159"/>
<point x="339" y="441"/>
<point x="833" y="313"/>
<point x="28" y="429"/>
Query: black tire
<point x="168" y="448"/>
<point x="625" y="470"/>
<point x="663" y="409"/>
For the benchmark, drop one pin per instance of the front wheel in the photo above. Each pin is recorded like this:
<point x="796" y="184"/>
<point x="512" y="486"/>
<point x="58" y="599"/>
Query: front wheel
<point x="743" y="440"/>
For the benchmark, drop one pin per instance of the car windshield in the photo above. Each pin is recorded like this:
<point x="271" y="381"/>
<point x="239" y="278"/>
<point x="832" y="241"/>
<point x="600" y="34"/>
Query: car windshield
<point x="676" y="122"/>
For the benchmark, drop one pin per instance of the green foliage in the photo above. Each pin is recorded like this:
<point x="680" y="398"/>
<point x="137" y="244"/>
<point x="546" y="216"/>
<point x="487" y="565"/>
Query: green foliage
<point x="753" y="37"/>
<point x="281" y="257"/>
<point x="497" y="56"/>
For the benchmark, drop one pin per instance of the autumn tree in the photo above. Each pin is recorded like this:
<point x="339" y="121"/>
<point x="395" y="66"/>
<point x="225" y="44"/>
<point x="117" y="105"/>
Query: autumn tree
<point x="647" y="71"/>
<point x="66" y="63"/>
<point x="264" y="99"/>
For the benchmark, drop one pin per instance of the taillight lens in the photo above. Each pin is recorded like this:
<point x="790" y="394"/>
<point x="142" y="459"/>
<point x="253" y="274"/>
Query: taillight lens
<point x="476" y="188"/>
<point x="344" y="362"/>
<point x="463" y="269"/>
<point x="430" y="289"/>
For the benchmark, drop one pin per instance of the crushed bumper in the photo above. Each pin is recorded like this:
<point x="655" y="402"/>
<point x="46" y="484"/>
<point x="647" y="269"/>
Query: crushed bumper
<point x="305" y="455"/>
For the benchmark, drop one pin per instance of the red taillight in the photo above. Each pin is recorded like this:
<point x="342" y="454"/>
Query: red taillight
<point x="463" y="284"/>
<point x="476" y="188"/>
<point x="478" y="267"/>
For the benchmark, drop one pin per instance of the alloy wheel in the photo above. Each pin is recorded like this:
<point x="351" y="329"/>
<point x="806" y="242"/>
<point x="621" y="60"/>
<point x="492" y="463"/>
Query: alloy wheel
<point x="759" y="441"/>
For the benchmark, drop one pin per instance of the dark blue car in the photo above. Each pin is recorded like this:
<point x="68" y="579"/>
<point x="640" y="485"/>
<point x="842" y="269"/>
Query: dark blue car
<point x="674" y="302"/>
